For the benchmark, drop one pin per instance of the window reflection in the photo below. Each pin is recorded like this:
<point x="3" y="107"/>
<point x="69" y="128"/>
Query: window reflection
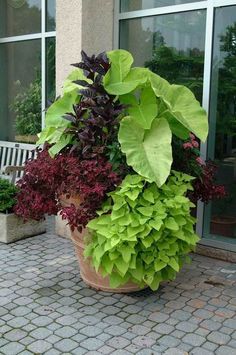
<point x="220" y="216"/>
<point x="19" y="17"/>
<point x="20" y="85"/>
<point x="51" y="14"/>
<point x="132" y="5"/>
<point x="170" y="45"/>
<point x="50" y="70"/>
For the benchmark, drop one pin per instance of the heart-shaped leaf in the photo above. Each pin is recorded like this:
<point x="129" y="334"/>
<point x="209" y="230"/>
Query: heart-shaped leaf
<point x="120" y="78"/>
<point x="147" y="151"/>
<point x="182" y="105"/>
<point x="143" y="111"/>
<point x="55" y="113"/>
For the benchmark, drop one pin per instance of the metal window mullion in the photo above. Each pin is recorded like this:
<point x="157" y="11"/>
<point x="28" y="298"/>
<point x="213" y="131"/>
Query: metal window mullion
<point x="49" y="34"/>
<point x="222" y="3"/>
<point x="116" y="26"/>
<point x="163" y="10"/>
<point x="43" y="61"/>
<point x="20" y="38"/>
<point x="206" y="94"/>
<point x="27" y="37"/>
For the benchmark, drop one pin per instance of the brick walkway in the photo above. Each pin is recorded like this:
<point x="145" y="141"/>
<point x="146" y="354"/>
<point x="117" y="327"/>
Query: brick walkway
<point x="45" y="308"/>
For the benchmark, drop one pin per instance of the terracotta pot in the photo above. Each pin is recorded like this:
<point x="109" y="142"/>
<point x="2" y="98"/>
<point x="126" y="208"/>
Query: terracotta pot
<point x="89" y="274"/>
<point x="225" y="226"/>
<point x="87" y="271"/>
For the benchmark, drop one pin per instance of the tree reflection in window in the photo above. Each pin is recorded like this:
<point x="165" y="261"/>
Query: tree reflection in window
<point x="178" y="66"/>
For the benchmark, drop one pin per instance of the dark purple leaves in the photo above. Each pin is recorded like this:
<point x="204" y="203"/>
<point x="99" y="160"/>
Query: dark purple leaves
<point x="95" y="118"/>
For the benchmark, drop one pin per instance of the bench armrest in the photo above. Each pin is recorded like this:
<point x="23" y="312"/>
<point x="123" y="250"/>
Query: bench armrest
<point x="12" y="169"/>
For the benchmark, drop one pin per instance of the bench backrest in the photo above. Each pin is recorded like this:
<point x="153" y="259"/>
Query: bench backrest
<point x="15" y="154"/>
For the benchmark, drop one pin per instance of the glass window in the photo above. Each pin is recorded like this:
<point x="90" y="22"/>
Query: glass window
<point x="132" y="5"/>
<point x="170" y="45"/>
<point x="51" y="14"/>
<point x="50" y="70"/>
<point x="220" y="216"/>
<point x="20" y="87"/>
<point x="19" y="17"/>
<point x="20" y="67"/>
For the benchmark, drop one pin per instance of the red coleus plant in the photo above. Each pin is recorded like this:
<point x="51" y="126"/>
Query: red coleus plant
<point x="187" y="159"/>
<point x="46" y="179"/>
<point x="205" y="188"/>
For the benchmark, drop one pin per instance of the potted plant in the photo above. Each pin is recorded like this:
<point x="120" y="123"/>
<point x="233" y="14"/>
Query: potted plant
<point x="108" y="146"/>
<point x="12" y="227"/>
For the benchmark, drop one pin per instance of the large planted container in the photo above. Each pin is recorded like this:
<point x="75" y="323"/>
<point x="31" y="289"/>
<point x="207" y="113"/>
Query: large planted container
<point x="87" y="271"/>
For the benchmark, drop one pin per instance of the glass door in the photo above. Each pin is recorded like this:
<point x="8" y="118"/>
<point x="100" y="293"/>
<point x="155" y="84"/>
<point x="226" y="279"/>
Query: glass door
<point x="220" y="216"/>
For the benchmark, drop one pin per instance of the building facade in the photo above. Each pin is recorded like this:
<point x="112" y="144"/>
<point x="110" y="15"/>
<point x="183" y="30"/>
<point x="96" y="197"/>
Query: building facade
<point x="186" y="41"/>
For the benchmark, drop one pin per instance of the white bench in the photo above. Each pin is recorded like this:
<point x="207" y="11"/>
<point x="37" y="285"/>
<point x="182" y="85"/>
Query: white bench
<point x="12" y="159"/>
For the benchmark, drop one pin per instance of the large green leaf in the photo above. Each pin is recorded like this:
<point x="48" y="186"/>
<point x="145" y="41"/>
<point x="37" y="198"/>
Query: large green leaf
<point x="182" y="105"/>
<point x="147" y="151"/>
<point x="76" y="74"/>
<point x="55" y="113"/>
<point x="56" y="124"/>
<point x="135" y="77"/>
<point x="62" y="143"/>
<point x="121" y="62"/>
<point x="176" y="127"/>
<point x="143" y="111"/>
<point x="120" y="78"/>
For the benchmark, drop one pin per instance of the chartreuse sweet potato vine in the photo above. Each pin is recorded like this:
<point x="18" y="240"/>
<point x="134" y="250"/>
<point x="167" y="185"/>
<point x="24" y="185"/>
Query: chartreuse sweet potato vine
<point x="143" y="232"/>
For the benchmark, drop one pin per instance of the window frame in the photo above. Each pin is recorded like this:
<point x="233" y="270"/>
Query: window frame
<point x="43" y="35"/>
<point x="209" y="6"/>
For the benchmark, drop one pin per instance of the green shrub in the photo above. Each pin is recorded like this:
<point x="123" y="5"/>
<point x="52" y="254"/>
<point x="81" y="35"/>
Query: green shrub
<point x="143" y="232"/>
<point x="8" y="193"/>
<point x="27" y="107"/>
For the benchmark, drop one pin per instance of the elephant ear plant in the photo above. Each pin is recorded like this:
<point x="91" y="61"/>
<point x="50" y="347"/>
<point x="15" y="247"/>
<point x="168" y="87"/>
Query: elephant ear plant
<point x="123" y="121"/>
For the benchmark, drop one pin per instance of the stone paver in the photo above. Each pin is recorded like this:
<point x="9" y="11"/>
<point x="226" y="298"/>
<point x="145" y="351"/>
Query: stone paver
<point x="45" y="307"/>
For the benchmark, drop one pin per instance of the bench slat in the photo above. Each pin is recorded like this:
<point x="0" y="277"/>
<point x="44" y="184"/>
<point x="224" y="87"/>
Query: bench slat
<point x="13" y="154"/>
<point x="8" y="159"/>
<point x="24" y="157"/>
<point x="3" y="156"/>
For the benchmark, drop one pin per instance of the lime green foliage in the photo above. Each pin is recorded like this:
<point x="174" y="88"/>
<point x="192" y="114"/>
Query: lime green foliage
<point x="181" y="105"/>
<point x="145" y="109"/>
<point x="8" y="193"/>
<point x="27" y="108"/>
<point x="121" y="78"/>
<point x="143" y="232"/>
<point x="148" y="151"/>
<point x="54" y="132"/>
<point x="70" y="85"/>
<point x="155" y="110"/>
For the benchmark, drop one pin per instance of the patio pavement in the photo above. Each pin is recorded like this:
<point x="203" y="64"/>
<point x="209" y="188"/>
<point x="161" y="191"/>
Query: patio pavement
<point x="45" y="308"/>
